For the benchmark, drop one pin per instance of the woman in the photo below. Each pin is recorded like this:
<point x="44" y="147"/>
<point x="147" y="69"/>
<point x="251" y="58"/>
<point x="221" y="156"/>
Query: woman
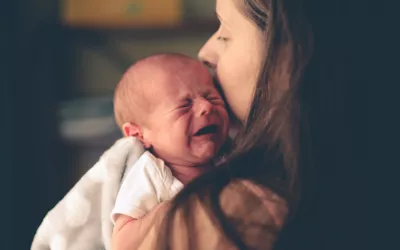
<point x="271" y="67"/>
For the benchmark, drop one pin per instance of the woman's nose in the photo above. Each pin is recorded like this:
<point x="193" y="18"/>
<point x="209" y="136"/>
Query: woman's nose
<point x="208" y="54"/>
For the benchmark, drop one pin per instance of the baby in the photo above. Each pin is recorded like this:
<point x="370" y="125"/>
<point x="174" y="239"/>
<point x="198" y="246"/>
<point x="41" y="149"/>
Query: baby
<point x="168" y="102"/>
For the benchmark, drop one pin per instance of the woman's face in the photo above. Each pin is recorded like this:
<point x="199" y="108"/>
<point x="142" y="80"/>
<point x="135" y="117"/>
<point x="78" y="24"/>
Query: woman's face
<point x="235" y="53"/>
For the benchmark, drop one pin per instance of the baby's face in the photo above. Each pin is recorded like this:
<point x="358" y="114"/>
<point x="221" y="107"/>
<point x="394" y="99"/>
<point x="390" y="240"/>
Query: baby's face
<point x="190" y="123"/>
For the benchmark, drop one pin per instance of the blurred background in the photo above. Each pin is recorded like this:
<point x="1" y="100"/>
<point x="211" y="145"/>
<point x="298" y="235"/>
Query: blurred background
<point x="61" y="61"/>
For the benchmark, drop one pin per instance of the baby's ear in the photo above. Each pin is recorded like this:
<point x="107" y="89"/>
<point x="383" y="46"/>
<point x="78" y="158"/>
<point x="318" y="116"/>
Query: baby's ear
<point x="134" y="130"/>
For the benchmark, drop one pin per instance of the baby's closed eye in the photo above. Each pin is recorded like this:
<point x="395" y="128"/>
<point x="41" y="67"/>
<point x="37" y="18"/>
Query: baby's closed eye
<point x="214" y="99"/>
<point x="185" y="105"/>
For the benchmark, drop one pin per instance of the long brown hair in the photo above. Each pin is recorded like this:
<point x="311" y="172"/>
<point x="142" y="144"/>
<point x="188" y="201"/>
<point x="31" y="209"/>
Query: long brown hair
<point x="278" y="139"/>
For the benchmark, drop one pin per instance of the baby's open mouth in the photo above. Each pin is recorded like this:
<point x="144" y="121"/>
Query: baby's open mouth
<point x="210" y="129"/>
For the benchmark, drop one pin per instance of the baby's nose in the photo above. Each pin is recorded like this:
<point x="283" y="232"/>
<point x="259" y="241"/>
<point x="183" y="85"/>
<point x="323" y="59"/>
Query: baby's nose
<point x="205" y="107"/>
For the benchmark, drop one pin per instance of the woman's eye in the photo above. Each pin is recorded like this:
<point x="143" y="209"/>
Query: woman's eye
<point x="222" y="39"/>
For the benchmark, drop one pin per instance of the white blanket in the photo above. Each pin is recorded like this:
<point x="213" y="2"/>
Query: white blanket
<point x="81" y="220"/>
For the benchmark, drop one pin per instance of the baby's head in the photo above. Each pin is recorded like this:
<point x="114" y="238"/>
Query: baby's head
<point x="170" y="103"/>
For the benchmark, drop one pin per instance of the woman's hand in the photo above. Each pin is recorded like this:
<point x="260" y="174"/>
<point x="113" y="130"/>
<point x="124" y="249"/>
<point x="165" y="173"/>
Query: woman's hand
<point x="128" y="233"/>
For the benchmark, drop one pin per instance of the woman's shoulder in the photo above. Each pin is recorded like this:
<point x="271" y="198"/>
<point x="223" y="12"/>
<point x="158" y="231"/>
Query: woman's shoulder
<point x="256" y="213"/>
<point x="246" y="197"/>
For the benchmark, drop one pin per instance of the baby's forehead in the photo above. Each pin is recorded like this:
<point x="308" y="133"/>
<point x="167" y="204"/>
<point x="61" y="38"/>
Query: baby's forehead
<point x="170" y="68"/>
<point x="160" y="79"/>
<point x="156" y="73"/>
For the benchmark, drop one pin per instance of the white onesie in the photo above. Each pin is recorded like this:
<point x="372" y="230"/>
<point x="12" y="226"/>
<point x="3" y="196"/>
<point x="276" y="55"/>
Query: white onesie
<point x="148" y="183"/>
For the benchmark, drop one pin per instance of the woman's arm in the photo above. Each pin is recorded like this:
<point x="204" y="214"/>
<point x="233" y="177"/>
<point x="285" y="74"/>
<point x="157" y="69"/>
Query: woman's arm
<point x="258" y="222"/>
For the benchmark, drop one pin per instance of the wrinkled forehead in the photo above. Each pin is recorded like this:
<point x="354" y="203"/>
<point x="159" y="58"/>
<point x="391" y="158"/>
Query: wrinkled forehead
<point x="171" y="80"/>
<point x="191" y="75"/>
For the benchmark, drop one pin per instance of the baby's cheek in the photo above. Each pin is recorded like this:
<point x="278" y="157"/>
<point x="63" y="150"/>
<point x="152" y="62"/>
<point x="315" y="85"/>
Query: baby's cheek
<point x="179" y="134"/>
<point x="224" y="119"/>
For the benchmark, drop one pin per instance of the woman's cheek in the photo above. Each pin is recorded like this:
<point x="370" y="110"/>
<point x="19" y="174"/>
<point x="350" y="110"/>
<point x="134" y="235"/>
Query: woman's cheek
<point x="234" y="100"/>
<point x="229" y="89"/>
<point x="185" y="124"/>
<point x="238" y="94"/>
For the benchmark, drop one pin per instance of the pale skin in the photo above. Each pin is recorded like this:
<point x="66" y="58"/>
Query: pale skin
<point x="233" y="52"/>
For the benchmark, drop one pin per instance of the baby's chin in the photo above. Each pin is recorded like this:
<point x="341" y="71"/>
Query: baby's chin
<point x="206" y="152"/>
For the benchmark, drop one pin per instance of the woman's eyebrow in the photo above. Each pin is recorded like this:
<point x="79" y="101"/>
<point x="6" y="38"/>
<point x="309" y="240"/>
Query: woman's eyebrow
<point x="222" y="20"/>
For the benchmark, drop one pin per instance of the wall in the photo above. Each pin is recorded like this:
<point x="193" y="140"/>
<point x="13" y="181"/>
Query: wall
<point x="97" y="74"/>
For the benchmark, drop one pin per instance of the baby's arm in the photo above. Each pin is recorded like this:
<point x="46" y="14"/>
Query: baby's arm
<point x="127" y="231"/>
<point x="148" y="183"/>
<point x="121" y="220"/>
